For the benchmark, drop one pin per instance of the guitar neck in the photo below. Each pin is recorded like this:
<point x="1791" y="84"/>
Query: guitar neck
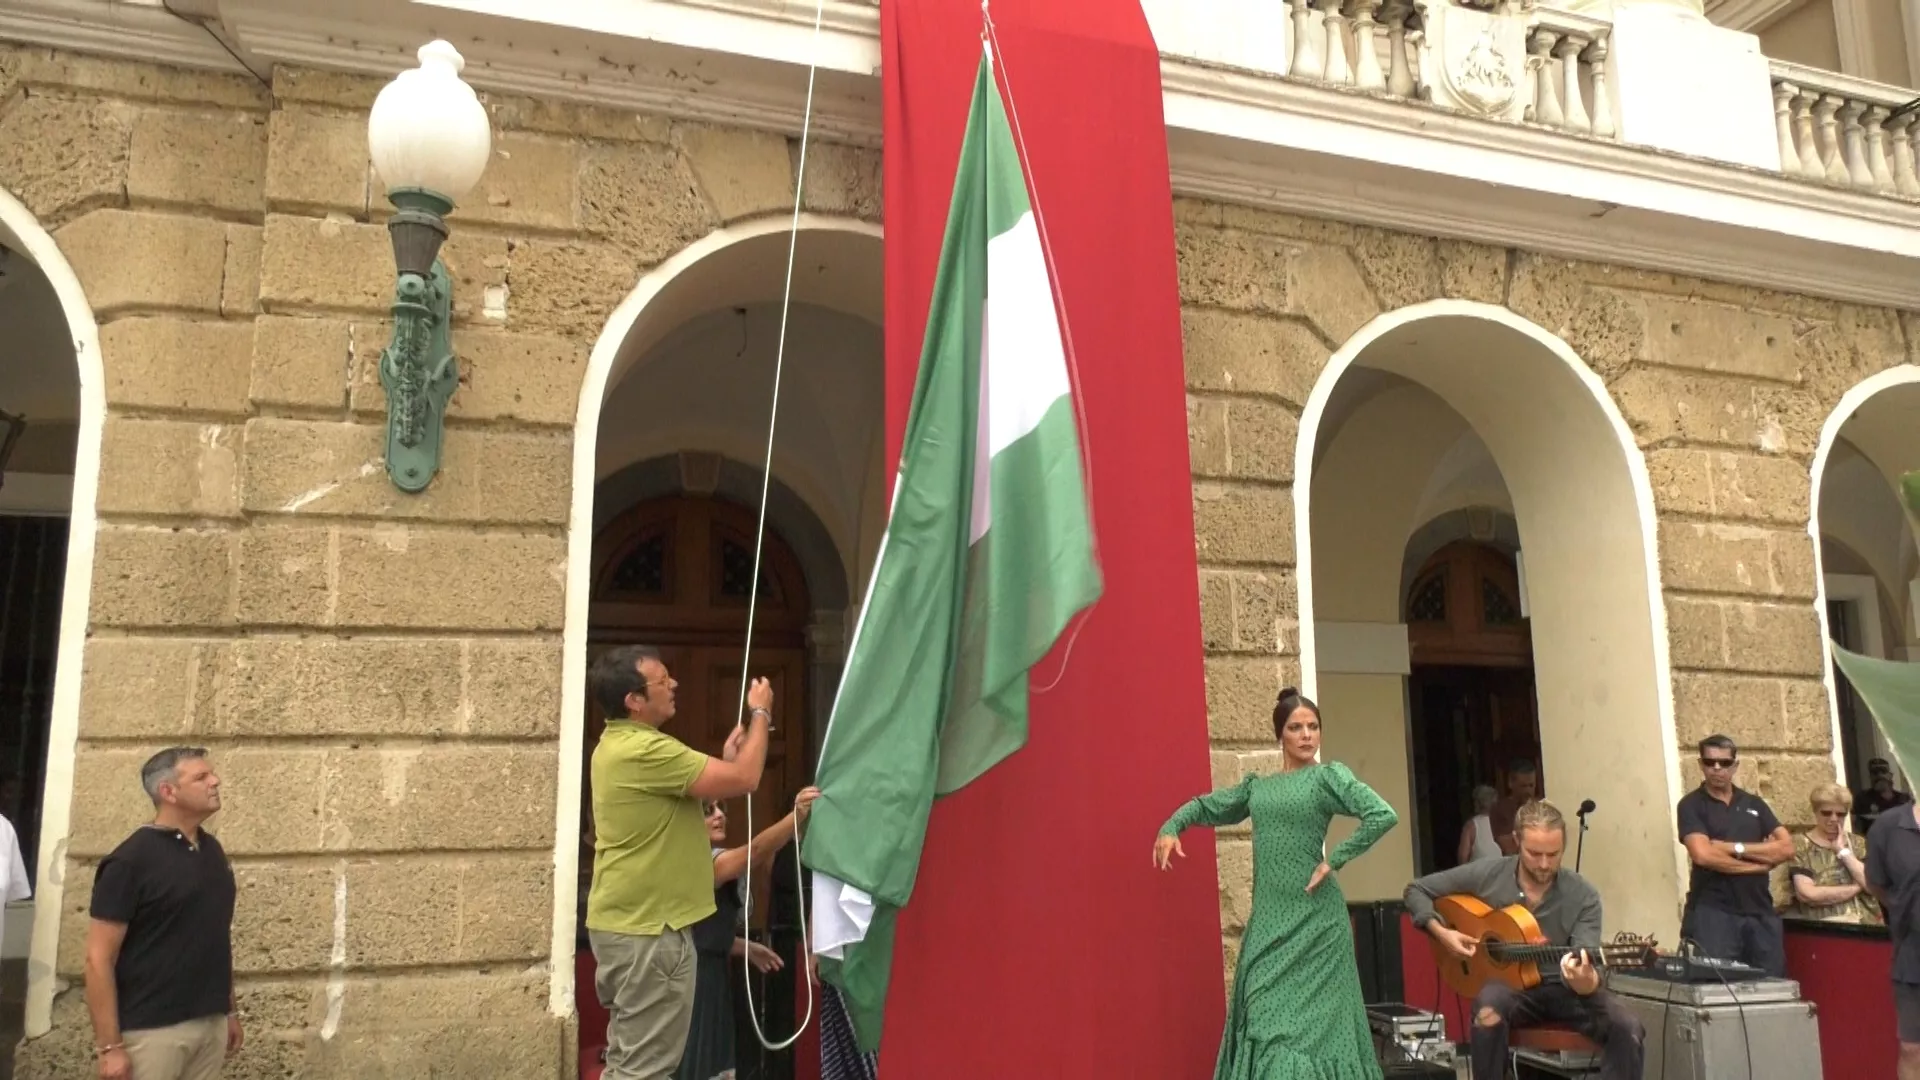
<point x="1540" y="954"/>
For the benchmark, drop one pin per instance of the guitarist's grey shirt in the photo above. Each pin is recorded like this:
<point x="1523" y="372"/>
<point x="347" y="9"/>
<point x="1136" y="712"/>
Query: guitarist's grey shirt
<point x="1568" y="915"/>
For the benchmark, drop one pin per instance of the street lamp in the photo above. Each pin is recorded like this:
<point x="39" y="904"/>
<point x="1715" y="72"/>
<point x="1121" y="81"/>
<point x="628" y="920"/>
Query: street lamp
<point x="430" y="141"/>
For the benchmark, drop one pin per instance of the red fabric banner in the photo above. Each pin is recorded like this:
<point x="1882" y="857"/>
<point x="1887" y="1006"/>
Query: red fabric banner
<point x="1040" y="941"/>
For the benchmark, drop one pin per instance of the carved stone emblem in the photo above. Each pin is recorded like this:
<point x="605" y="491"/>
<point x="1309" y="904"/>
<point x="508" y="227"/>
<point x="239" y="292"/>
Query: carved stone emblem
<point x="1482" y="59"/>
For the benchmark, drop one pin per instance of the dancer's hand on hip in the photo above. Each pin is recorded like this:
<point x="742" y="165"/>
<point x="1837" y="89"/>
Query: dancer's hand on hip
<point x="1319" y="875"/>
<point x="1164" y="848"/>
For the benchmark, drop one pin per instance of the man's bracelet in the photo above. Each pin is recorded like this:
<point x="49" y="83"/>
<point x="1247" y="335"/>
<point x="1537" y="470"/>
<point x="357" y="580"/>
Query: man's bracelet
<point x="761" y="712"/>
<point x="103" y="1051"/>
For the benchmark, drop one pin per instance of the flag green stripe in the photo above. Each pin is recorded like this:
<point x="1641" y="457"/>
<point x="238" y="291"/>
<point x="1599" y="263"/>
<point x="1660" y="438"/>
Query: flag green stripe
<point x="878" y="764"/>
<point x="935" y="691"/>
<point x="1028" y="577"/>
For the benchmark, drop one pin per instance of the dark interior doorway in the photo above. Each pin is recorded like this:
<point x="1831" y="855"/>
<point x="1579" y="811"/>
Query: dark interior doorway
<point x="1471" y="697"/>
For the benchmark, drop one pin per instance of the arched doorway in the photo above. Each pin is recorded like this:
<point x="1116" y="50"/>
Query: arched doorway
<point x="671" y="441"/>
<point x="54" y="379"/>
<point x="1399" y="397"/>
<point x="1470" y="695"/>
<point x="676" y="573"/>
<point x="1865" y="548"/>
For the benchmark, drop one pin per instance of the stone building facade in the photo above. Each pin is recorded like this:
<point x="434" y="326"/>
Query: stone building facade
<point x="379" y="676"/>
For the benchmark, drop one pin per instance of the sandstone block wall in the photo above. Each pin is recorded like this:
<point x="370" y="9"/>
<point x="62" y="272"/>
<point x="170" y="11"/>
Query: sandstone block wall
<point x="1724" y="387"/>
<point x="377" y="674"/>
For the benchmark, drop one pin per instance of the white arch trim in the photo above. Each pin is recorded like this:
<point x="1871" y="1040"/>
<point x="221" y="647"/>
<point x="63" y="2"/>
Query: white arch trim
<point x="586" y="436"/>
<point x="64" y="731"/>
<point x="1309" y="439"/>
<point x="1859" y="394"/>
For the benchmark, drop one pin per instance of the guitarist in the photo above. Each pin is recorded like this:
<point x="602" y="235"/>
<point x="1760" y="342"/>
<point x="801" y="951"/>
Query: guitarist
<point x="1567" y="908"/>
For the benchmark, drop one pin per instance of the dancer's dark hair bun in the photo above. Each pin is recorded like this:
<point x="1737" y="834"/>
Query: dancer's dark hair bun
<point x="1284" y="706"/>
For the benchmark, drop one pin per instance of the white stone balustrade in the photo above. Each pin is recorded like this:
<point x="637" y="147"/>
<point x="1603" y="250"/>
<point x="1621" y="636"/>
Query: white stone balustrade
<point x="1567" y="73"/>
<point x="1841" y="130"/>
<point x="1652" y="73"/>
<point x="1366" y="44"/>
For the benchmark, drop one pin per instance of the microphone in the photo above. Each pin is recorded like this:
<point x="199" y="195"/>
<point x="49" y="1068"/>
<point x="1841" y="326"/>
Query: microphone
<point x="1586" y="807"/>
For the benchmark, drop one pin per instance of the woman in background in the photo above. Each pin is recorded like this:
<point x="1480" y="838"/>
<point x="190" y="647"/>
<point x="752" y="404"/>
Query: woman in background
<point x="1296" y="1011"/>
<point x="717" y="943"/>
<point x="1476" y="837"/>
<point x="1828" y="871"/>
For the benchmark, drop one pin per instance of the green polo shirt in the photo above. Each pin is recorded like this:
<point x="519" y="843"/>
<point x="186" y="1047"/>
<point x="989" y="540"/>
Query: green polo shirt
<point x="652" y="870"/>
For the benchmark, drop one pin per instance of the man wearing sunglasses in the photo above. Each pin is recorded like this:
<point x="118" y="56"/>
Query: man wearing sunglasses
<point x="1734" y="841"/>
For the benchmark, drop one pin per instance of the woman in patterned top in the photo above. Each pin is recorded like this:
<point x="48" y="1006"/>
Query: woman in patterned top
<point x="1828" y="869"/>
<point x="1296" y="1011"/>
<point x="718" y="945"/>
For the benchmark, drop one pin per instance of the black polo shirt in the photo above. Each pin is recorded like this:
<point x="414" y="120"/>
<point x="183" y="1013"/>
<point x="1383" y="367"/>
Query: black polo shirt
<point x="1893" y="867"/>
<point x="176" y="900"/>
<point x="1747" y="819"/>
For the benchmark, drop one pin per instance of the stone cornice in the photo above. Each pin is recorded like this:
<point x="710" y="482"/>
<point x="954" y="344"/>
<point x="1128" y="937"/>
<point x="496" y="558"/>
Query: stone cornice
<point x="136" y="29"/>
<point x="1233" y="135"/>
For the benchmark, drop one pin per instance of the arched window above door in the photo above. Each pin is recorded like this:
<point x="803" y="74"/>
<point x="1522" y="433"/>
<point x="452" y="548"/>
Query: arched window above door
<point x="1464" y="608"/>
<point x="695" y="556"/>
<point x="642" y="572"/>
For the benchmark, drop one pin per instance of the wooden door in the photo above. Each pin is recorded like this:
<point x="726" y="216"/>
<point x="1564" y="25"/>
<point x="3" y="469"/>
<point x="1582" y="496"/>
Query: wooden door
<point x="1471" y="690"/>
<point x="674" y="573"/>
<point x="1469" y="725"/>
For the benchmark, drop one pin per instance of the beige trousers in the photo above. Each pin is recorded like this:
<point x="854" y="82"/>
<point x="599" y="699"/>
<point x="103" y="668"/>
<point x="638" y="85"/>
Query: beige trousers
<point x="646" y="985"/>
<point x="194" y="1050"/>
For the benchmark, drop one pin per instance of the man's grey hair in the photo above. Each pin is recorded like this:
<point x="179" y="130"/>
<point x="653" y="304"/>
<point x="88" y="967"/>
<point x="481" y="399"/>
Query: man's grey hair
<point x="164" y="767"/>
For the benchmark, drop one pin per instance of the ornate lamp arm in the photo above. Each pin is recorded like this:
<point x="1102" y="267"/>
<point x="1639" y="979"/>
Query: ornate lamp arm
<point x="417" y="369"/>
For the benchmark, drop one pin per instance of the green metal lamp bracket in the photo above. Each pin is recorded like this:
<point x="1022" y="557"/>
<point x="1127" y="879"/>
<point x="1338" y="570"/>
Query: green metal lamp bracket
<point x="419" y="374"/>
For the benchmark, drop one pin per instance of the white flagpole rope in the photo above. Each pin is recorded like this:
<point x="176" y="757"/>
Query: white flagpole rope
<point x="753" y="594"/>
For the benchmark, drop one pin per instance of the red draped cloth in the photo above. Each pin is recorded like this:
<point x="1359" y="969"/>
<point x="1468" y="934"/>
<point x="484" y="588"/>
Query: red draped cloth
<point x="1039" y="941"/>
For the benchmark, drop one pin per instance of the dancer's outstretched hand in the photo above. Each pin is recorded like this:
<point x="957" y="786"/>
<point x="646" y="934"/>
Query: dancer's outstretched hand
<point x="1164" y="848"/>
<point x="1319" y="875"/>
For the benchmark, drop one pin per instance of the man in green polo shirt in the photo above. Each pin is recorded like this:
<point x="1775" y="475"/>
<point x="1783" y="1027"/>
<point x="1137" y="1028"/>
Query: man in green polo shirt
<point x="652" y="871"/>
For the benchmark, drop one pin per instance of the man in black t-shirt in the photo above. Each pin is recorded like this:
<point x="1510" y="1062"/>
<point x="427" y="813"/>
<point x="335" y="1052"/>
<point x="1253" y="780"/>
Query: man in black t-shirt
<point x="1893" y="876"/>
<point x="1880" y="795"/>
<point x="160" y="946"/>
<point x="1734" y="842"/>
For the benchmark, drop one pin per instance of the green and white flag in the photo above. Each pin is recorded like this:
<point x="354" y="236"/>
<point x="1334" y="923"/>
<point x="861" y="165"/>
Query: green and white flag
<point x="1891" y="689"/>
<point x="988" y="556"/>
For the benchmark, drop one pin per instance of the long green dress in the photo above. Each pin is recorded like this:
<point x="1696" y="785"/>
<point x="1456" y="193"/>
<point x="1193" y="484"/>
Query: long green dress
<point x="1296" y="1011"/>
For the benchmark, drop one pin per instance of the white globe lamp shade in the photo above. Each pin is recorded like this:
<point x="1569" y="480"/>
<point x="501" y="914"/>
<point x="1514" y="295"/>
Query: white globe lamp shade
<point x="428" y="130"/>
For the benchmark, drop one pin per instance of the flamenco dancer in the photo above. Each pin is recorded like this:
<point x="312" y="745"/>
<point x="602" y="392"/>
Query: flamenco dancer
<point x="1296" y="1011"/>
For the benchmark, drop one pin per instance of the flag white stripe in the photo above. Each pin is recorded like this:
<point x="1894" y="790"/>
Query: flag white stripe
<point x="1021" y="337"/>
<point x="841" y="916"/>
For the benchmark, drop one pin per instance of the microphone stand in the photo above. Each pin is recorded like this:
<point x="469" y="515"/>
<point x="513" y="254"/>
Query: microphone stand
<point x="1582" y="848"/>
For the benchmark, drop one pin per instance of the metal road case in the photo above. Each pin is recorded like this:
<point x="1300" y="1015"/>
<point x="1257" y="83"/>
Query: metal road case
<point x="1703" y="1034"/>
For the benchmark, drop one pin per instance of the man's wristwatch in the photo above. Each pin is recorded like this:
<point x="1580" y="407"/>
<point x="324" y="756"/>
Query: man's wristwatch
<point x="1739" y="851"/>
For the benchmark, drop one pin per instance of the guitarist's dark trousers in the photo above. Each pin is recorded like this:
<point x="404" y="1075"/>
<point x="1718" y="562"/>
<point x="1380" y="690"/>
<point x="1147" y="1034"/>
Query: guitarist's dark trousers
<point x="1599" y="1017"/>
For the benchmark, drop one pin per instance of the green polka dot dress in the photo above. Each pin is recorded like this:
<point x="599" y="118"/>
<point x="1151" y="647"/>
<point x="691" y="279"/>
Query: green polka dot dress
<point x="1296" y="1011"/>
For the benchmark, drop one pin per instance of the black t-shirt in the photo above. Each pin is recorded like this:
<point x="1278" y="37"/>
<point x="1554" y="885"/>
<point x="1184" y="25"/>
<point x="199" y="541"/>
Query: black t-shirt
<point x="1746" y="820"/>
<point x="1893" y="867"/>
<point x="176" y="901"/>
<point x="1868" y="805"/>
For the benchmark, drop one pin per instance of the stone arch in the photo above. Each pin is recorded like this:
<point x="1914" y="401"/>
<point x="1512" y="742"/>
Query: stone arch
<point x="1856" y="396"/>
<point x="837" y="266"/>
<point x="1599" y="618"/>
<point x="23" y="233"/>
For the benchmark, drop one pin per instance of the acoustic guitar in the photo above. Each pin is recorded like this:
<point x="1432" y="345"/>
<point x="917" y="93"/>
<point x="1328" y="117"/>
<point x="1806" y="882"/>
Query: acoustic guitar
<point x="1514" y="951"/>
